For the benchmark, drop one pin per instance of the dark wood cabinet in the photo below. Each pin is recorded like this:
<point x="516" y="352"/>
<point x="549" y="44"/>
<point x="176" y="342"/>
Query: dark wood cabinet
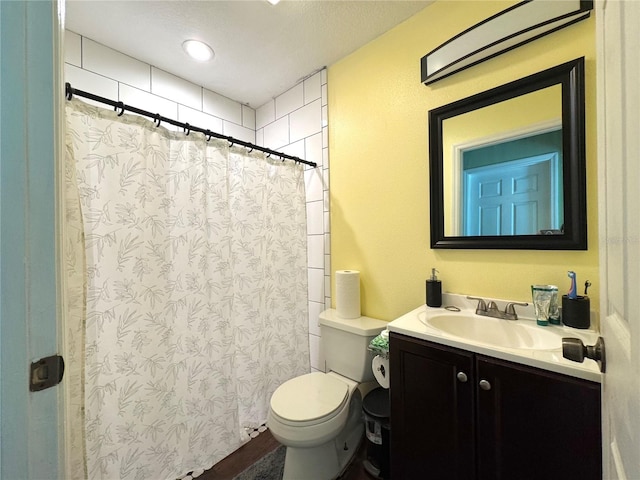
<point x="432" y="411"/>
<point x="460" y="415"/>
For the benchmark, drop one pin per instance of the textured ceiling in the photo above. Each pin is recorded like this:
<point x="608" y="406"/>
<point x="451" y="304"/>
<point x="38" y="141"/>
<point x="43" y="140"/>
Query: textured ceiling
<point x="261" y="50"/>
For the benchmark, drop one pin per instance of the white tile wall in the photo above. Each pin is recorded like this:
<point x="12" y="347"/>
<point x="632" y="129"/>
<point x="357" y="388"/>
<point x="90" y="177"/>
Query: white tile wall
<point x="166" y="85"/>
<point x="317" y="356"/>
<point x="313" y="184"/>
<point x="290" y="100"/>
<point x="315" y="251"/>
<point x="276" y="134"/>
<point x="147" y="101"/>
<point x="238" y="131"/>
<point x="324" y="142"/>
<point x="98" y="69"/>
<point x="222" y="107"/>
<point x="260" y="137"/>
<point x="315" y="218"/>
<point x="109" y="63"/>
<point x="316" y="285"/>
<point x="199" y="118"/>
<point x="294" y="122"/>
<point x="265" y="114"/>
<point x="91" y="82"/>
<point x="296" y="149"/>
<point x="315" y="309"/>
<point x="248" y="117"/>
<point x="312" y="88"/>
<point x="306" y="121"/>
<point x="313" y="149"/>
<point x="73" y="49"/>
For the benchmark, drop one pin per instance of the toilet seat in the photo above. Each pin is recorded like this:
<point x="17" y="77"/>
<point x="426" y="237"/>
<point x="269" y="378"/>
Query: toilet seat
<point x="309" y="399"/>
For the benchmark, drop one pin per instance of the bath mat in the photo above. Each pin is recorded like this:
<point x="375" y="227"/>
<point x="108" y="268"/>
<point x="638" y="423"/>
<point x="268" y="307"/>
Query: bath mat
<point x="269" y="467"/>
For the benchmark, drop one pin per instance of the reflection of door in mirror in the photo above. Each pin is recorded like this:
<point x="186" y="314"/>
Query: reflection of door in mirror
<point x="502" y="167"/>
<point x="511" y="198"/>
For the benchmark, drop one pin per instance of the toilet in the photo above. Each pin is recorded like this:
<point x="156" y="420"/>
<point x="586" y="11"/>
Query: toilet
<point x="318" y="416"/>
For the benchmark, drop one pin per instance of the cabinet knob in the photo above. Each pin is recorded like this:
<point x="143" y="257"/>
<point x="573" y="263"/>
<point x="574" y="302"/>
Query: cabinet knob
<point x="485" y="385"/>
<point x="462" y="377"/>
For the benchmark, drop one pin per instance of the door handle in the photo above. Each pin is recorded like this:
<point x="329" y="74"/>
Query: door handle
<point x="573" y="349"/>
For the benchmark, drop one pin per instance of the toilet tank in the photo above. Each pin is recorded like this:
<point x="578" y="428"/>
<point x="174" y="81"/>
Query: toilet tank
<point x="345" y="342"/>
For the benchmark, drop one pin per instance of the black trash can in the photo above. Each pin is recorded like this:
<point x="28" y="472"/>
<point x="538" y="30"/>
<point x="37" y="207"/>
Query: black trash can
<point x="376" y="417"/>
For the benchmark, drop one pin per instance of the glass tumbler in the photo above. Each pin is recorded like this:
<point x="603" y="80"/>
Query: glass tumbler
<point x="542" y="295"/>
<point x="554" y="310"/>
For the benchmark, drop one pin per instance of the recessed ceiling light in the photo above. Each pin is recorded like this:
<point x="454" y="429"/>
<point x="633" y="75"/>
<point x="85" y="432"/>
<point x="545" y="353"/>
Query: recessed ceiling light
<point x="273" y="2"/>
<point x="198" y="50"/>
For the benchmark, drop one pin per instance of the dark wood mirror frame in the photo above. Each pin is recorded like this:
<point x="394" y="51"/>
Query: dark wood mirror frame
<point x="571" y="76"/>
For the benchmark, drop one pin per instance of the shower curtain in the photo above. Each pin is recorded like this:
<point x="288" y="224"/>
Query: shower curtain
<point x="186" y="286"/>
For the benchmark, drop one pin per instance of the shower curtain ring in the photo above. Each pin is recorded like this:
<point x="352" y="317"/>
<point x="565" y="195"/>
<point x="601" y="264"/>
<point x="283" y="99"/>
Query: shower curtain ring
<point x="208" y="134"/>
<point x="120" y="106"/>
<point x="156" y="120"/>
<point x="230" y="143"/>
<point x="187" y="129"/>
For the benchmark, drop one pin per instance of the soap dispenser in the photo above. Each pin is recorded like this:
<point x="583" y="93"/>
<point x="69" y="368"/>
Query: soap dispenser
<point x="434" y="290"/>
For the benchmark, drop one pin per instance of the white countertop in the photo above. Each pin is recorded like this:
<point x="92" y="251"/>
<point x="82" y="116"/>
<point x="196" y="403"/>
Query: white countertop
<point x="412" y="324"/>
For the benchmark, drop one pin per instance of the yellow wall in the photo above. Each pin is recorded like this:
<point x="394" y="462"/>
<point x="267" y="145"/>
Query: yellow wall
<point x="378" y="143"/>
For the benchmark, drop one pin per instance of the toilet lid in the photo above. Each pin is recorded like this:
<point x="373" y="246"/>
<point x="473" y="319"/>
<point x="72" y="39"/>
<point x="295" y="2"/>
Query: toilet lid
<point x="309" y="397"/>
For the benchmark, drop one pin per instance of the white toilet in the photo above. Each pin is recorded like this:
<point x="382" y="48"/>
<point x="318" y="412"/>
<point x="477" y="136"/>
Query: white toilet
<point x="318" y="416"/>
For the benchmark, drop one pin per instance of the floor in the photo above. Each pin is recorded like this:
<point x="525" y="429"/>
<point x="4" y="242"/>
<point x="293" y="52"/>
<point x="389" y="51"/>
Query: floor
<point x="264" y="443"/>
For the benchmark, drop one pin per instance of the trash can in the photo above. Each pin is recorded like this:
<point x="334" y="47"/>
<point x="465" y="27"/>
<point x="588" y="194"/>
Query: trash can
<point x="376" y="416"/>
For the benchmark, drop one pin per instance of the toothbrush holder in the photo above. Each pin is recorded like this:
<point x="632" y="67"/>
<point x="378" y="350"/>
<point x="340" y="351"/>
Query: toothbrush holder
<point x="576" y="312"/>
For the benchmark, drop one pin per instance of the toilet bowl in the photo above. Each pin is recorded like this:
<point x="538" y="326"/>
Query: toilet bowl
<point x="311" y="409"/>
<point x="318" y="416"/>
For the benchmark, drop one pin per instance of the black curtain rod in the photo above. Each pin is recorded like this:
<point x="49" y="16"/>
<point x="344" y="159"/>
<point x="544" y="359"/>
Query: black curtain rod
<point x="157" y="118"/>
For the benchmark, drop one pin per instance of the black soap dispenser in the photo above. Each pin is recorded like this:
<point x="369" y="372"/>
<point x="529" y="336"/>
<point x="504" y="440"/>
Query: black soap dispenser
<point x="434" y="290"/>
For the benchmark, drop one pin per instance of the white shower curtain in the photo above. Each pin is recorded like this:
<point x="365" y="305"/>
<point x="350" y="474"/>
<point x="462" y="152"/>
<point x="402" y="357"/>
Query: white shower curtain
<point x="196" y="293"/>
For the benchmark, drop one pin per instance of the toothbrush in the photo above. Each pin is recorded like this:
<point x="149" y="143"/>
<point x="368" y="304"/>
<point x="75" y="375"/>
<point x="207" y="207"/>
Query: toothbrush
<point x="572" y="290"/>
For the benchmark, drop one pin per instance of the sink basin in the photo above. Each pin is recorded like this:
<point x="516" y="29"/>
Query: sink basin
<point x="496" y="332"/>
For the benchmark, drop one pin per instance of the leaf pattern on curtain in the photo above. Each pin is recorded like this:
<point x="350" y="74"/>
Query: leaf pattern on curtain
<point x="196" y="292"/>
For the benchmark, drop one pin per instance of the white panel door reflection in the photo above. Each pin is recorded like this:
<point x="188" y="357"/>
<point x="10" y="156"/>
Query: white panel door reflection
<point x="512" y="198"/>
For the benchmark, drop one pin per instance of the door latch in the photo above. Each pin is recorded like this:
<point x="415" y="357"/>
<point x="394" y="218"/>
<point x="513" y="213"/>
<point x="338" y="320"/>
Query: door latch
<point x="46" y="372"/>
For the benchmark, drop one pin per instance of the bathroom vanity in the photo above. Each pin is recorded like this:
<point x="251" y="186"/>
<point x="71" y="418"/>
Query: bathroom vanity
<point x="466" y="409"/>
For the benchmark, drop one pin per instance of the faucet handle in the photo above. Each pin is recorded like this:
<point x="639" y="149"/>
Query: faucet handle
<point x="482" y="306"/>
<point x="492" y="306"/>
<point x="510" y="311"/>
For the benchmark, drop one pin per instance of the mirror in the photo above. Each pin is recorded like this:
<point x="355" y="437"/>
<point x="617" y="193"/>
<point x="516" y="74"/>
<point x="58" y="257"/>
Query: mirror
<point x="507" y="166"/>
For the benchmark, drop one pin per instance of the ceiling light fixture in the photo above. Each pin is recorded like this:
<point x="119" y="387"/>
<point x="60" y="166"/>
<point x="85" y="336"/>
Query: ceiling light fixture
<point x="198" y="50"/>
<point x="273" y="2"/>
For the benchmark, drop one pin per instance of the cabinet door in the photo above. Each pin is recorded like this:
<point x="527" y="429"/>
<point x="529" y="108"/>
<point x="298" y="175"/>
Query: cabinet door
<point x="534" y="424"/>
<point x="432" y="433"/>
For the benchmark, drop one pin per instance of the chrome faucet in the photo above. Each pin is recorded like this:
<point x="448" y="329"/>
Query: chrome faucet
<point x="491" y="309"/>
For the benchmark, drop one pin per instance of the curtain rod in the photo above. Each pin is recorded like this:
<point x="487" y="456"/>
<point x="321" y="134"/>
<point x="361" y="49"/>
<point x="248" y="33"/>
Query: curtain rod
<point x="157" y="118"/>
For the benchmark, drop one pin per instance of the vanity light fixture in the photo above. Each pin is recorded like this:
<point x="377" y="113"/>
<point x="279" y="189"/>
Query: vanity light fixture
<point x="500" y="33"/>
<point x="198" y="50"/>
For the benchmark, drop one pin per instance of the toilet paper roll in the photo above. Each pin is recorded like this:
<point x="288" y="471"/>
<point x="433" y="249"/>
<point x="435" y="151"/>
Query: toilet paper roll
<point x="380" y="366"/>
<point x="348" y="293"/>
